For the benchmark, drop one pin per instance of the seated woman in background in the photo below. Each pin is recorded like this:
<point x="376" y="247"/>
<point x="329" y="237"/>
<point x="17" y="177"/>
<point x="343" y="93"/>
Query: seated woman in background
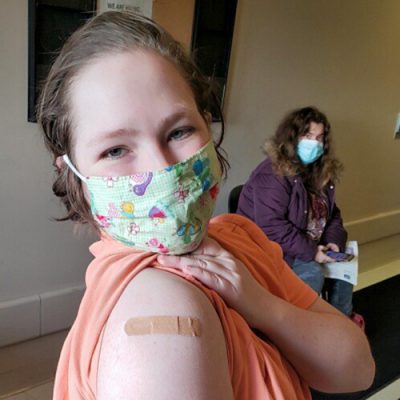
<point x="172" y="298"/>
<point x="291" y="197"/>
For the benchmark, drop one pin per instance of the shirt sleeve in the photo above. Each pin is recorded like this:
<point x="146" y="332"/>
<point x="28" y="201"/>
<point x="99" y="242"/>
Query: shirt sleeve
<point x="296" y="291"/>
<point x="263" y="258"/>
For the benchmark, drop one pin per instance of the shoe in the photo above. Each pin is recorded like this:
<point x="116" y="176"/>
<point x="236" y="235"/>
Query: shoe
<point x="358" y="320"/>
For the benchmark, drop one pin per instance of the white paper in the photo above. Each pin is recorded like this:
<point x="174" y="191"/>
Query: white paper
<point x="344" y="270"/>
<point x="144" y="7"/>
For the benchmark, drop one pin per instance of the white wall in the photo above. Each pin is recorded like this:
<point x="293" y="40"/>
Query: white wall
<point x="37" y="255"/>
<point x="342" y="57"/>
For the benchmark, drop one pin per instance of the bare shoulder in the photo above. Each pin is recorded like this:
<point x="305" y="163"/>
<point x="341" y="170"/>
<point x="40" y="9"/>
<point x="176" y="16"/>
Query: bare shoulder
<point x="170" y="361"/>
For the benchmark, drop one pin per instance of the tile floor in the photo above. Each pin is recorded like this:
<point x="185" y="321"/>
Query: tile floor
<point x="41" y="392"/>
<point x="27" y="369"/>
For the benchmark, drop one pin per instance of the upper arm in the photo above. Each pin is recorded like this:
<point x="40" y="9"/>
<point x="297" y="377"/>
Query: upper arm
<point x="163" y="366"/>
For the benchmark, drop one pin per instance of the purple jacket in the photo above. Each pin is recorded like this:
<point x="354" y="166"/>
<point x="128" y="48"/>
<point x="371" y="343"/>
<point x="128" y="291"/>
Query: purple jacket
<point x="279" y="206"/>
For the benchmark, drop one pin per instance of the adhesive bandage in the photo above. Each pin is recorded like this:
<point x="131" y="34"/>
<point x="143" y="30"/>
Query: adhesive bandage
<point x="169" y="325"/>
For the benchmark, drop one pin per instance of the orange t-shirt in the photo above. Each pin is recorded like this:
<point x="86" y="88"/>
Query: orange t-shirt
<point x="257" y="368"/>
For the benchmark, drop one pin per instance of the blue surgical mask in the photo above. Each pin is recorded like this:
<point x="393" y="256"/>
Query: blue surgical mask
<point x="309" y="150"/>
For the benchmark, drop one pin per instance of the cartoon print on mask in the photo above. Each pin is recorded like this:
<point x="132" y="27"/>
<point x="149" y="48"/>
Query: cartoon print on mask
<point x="181" y="194"/>
<point x="133" y="229"/>
<point x="177" y="168"/>
<point x="157" y="215"/>
<point x="127" y="209"/>
<point x="110" y="180"/>
<point x="113" y="211"/>
<point x="214" y="191"/>
<point x="140" y="182"/>
<point x="161" y="248"/>
<point x="188" y="230"/>
<point x="202" y="170"/>
<point x="103" y="221"/>
<point x="164" y="211"/>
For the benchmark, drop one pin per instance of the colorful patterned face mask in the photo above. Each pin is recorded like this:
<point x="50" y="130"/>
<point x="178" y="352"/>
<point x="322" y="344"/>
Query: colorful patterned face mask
<point x="164" y="211"/>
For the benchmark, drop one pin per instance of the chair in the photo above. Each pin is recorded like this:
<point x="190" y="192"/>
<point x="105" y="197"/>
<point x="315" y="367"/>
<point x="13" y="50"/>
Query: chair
<point x="233" y="199"/>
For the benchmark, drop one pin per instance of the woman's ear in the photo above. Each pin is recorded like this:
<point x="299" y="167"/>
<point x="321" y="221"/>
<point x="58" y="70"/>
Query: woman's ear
<point x="59" y="163"/>
<point x="208" y="117"/>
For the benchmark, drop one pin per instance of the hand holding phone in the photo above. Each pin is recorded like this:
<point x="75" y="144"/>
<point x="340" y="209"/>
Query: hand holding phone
<point x="338" y="256"/>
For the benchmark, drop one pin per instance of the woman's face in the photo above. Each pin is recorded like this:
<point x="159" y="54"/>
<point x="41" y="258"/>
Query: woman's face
<point x="315" y="132"/>
<point x="133" y="112"/>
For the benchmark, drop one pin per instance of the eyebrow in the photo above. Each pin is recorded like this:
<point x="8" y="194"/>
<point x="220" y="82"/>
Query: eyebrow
<point x="165" y="122"/>
<point x="108" y="135"/>
<point x="170" y="119"/>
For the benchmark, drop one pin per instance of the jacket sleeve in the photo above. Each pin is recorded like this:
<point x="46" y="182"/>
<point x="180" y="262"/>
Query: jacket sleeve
<point x="271" y="198"/>
<point x="334" y="230"/>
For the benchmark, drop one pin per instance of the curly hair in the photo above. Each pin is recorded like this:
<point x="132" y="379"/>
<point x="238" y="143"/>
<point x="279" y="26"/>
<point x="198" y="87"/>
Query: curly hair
<point x="281" y="149"/>
<point x="108" y="33"/>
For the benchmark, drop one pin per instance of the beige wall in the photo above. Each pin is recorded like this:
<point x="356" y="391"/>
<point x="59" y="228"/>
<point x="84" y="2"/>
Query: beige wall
<point x="37" y="255"/>
<point x="176" y="16"/>
<point x="340" y="56"/>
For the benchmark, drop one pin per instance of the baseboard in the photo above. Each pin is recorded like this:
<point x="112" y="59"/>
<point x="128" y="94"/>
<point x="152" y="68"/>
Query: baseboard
<point x="376" y="275"/>
<point x="59" y="308"/>
<point x="19" y="320"/>
<point x="30" y="317"/>
<point x="389" y="392"/>
<point x="376" y="227"/>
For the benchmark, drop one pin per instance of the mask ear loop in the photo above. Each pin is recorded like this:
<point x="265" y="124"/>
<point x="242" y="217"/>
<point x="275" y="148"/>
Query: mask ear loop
<point x="73" y="169"/>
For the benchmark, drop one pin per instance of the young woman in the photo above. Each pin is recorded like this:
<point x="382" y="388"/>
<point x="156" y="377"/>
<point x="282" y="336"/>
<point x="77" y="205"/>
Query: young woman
<point x="172" y="299"/>
<point x="291" y="196"/>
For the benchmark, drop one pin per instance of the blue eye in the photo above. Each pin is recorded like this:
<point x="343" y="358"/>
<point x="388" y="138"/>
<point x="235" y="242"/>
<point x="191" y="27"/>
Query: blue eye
<point x="180" y="134"/>
<point x="116" y="152"/>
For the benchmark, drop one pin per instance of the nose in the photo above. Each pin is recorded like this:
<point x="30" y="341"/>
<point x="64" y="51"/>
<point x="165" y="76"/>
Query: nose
<point x="156" y="158"/>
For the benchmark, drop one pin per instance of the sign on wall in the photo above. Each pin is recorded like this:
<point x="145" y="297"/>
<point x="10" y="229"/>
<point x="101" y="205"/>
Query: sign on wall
<point x="140" y="6"/>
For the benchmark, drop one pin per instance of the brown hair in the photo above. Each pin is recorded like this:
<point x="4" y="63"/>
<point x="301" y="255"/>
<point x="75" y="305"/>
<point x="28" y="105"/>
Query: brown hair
<point x="281" y="149"/>
<point x="108" y="33"/>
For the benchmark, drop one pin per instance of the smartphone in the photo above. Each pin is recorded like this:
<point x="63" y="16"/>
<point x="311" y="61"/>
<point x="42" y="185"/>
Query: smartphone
<point x="337" y="256"/>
